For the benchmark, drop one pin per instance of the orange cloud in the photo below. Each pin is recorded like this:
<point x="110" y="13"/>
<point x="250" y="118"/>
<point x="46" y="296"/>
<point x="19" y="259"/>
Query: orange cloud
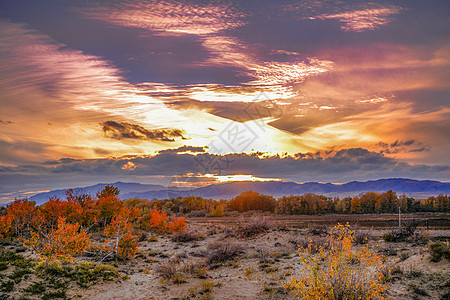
<point x="362" y="20"/>
<point x="168" y="17"/>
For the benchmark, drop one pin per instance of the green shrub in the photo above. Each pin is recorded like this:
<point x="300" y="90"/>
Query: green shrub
<point x="396" y="236"/>
<point x="417" y="290"/>
<point x="87" y="273"/>
<point x="439" y="251"/>
<point x="52" y="269"/>
<point x="18" y="274"/>
<point x="36" y="288"/>
<point x="7" y="286"/>
<point x="54" y="295"/>
<point x="84" y="274"/>
<point x="3" y="266"/>
<point x="8" y="256"/>
<point x="152" y="239"/>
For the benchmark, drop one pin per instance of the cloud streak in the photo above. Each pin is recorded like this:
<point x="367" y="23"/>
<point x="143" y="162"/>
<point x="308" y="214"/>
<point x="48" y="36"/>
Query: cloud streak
<point x="170" y="17"/>
<point x="362" y="20"/>
<point x="124" y="130"/>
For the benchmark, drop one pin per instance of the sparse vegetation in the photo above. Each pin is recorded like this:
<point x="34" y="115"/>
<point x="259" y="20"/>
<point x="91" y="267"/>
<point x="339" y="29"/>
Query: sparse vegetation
<point x="220" y="252"/>
<point x="254" y="226"/>
<point x="339" y="272"/>
<point x="439" y="251"/>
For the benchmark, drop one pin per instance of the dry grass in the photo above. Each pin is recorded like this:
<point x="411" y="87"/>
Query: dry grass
<point x="220" y="252"/>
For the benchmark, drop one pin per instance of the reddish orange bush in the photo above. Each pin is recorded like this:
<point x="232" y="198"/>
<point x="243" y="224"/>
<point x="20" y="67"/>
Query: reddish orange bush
<point x="23" y="216"/>
<point x="5" y="226"/>
<point x="125" y="245"/>
<point x="155" y="220"/>
<point x="158" y="221"/>
<point x="177" y="225"/>
<point x="63" y="242"/>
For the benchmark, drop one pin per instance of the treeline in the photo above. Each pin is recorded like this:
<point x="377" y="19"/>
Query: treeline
<point x="306" y="204"/>
<point x="369" y="202"/>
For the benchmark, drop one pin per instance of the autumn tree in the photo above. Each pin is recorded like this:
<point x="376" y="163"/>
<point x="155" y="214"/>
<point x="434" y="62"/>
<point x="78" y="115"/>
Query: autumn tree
<point x="89" y="214"/>
<point x="5" y="226"/>
<point x="63" y="242"/>
<point x="177" y="225"/>
<point x="108" y="206"/>
<point x="120" y="230"/>
<point x="155" y="220"/>
<point x="158" y="221"/>
<point x="77" y="197"/>
<point x="250" y="200"/>
<point x="356" y="207"/>
<point x="23" y="216"/>
<point x="289" y="205"/>
<point x="108" y="191"/>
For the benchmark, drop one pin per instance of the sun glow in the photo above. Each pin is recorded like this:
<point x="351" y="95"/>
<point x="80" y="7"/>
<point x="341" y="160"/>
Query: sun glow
<point x="238" y="177"/>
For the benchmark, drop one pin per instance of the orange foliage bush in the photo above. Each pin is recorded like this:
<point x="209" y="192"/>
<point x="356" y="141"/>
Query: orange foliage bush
<point x="155" y="220"/>
<point x="120" y="229"/>
<point x="177" y="225"/>
<point x="158" y="221"/>
<point x="63" y="242"/>
<point x="5" y="226"/>
<point x="23" y="216"/>
<point x="338" y="271"/>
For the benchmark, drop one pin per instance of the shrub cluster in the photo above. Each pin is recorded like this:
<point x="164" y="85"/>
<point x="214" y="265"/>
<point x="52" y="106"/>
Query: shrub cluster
<point x="59" y="229"/>
<point x="338" y="271"/>
<point x="439" y="251"/>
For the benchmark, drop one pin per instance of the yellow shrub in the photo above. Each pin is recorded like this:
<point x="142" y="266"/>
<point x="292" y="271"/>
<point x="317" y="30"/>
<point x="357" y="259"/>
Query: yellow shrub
<point x="336" y="270"/>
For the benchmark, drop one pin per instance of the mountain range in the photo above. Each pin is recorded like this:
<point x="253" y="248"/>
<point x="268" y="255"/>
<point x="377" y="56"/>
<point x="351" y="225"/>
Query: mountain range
<point x="412" y="188"/>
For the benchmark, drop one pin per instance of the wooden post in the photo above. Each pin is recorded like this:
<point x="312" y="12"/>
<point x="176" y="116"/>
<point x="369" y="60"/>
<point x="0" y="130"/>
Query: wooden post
<point x="399" y="219"/>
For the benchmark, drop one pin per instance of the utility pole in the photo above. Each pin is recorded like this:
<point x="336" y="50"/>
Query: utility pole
<point x="399" y="219"/>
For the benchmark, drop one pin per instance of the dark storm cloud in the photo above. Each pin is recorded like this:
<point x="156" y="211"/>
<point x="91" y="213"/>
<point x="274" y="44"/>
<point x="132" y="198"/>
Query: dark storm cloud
<point x="124" y="130"/>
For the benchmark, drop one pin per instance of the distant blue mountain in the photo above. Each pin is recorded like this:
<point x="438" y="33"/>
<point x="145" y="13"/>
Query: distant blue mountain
<point x="124" y="187"/>
<point x="413" y="188"/>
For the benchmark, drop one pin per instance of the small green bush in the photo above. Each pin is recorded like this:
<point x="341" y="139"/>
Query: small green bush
<point x="3" y="266"/>
<point x="36" y="288"/>
<point x="7" y="286"/>
<point x="54" y="295"/>
<point x="417" y="290"/>
<point x="87" y="273"/>
<point x="84" y="274"/>
<point x="396" y="236"/>
<point x="439" y="251"/>
<point x="18" y="274"/>
<point x="152" y="239"/>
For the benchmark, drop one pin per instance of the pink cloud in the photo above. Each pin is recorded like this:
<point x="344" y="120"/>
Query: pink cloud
<point x="168" y="17"/>
<point x="362" y="20"/>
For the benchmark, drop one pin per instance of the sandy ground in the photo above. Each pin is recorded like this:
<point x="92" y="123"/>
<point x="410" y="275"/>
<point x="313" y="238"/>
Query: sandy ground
<point x="268" y="260"/>
<point x="263" y="263"/>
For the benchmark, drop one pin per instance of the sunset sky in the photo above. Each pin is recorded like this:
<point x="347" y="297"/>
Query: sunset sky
<point x="154" y="91"/>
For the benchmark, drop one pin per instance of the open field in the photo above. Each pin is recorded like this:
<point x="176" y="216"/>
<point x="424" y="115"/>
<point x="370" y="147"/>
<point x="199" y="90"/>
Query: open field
<point x="432" y="221"/>
<point x="221" y="258"/>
